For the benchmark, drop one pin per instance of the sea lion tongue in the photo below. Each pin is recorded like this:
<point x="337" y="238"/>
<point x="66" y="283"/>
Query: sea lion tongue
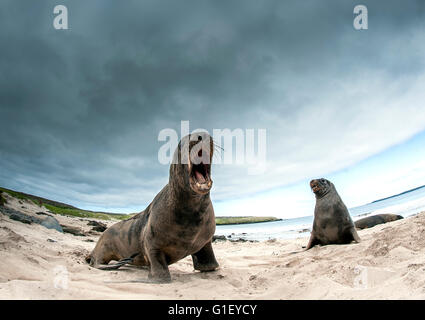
<point x="200" y="177"/>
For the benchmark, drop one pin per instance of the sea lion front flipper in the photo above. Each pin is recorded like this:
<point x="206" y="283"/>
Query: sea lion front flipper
<point x="204" y="260"/>
<point x="158" y="271"/>
<point x="312" y="242"/>
<point x="355" y="235"/>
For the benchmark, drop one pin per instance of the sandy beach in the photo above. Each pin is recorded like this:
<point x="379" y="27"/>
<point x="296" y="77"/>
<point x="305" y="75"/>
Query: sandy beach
<point x="389" y="263"/>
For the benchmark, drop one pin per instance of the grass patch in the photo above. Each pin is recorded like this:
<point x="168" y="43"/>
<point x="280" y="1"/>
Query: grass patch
<point x="241" y="220"/>
<point x="2" y="200"/>
<point x="85" y="213"/>
<point x="37" y="200"/>
<point x="14" y="194"/>
<point x="64" y="209"/>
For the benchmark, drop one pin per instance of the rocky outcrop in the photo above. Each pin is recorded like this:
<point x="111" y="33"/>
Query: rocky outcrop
<point x="219" y="238"/>
<point x="230" y="238"/>
<point x="97" y="226"/>
<point x="73" y="230"/>
<point x="46" y="221"/>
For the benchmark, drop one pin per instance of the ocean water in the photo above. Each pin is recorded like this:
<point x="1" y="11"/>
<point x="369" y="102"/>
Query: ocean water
<point x="406" y="204"/>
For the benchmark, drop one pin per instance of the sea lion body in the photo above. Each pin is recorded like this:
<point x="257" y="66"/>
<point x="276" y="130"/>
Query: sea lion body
<point x="120" y="241"/>
<point x="372" y="221"/>
<point x="180" y="221"/>
<point x="332" y="222"/>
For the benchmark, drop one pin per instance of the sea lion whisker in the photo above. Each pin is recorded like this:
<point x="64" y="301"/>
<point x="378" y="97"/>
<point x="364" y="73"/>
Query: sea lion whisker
<point x="217" y="146"/>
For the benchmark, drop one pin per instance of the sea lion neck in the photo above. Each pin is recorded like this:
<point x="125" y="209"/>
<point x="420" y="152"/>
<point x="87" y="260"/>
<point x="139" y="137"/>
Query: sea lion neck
<point x="184" y="198"/>
<point x="322" y="195"/>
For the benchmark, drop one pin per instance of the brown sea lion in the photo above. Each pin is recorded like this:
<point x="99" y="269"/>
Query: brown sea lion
<point x="372" y="221"/>
<point x="332" y="222"/>
<point x="179" y="222"/>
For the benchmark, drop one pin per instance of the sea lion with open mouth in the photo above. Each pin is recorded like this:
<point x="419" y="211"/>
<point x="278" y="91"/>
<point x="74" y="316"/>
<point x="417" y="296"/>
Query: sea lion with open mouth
<point x="332" y="222"/>
<point x="179" y="222"/>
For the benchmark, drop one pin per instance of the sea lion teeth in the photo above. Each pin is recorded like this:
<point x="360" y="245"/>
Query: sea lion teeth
<point x="339" y="229"/>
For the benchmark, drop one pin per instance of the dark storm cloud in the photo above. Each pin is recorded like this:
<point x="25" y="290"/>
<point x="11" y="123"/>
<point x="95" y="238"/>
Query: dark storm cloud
<point x="81" y="109"/>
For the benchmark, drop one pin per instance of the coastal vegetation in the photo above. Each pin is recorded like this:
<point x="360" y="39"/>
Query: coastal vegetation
<point x="242" y="220"/>
<point x="65" y="209"/>
<point x="68" y="210"/>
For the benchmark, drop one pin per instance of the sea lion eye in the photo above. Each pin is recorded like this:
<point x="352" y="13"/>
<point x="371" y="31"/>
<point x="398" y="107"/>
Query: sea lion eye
<point x="322" y="180"/>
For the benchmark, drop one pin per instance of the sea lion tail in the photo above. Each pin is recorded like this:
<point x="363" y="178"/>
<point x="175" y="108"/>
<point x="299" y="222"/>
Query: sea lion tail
<point x="114" y="266"/>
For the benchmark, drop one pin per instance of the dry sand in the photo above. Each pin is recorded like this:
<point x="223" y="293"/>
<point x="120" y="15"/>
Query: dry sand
<point x="389" y="263"/>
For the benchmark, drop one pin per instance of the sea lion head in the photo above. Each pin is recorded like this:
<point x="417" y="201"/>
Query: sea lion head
<point x="395" y="217"/>
<point x="321" y="187"/>
<point x="191" y="167"/>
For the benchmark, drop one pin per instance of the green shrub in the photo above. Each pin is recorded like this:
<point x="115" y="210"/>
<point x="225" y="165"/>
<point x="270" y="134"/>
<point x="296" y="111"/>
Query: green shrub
<point x="240" y="220"/>
<point x="2" y="200"/>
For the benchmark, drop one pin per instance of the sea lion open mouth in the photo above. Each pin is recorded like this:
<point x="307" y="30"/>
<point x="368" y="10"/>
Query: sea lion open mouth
<point x="200" y="179"/>
<point x="314" y="186"/>
<point x="200" y="156"/>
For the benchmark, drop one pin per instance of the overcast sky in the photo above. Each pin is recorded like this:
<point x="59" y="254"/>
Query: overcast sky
<point x="81" y="109"/>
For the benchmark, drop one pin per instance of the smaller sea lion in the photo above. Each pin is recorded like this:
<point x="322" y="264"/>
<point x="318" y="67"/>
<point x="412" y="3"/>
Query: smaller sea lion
<point x="372" y="221"/>
<point x="332" y="222"/>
